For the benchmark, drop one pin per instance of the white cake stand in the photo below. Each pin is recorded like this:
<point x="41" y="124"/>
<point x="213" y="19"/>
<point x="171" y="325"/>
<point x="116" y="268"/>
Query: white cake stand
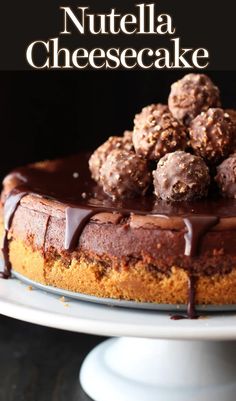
<point x="156" y="358"/>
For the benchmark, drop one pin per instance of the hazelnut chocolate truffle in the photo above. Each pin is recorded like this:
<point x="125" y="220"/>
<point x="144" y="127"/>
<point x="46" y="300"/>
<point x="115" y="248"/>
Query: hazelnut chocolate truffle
<point x="127" y="140"/>
<point x="232" y="115"/>
<point x="157" y="132"/>
<point x="211" y="135"/>
<point x="226" y="177"/>
<point x="124" y="175"/>
<point x="99" y="156"/>
<point x="191" y="95"/>
<point x="180" y="176"/>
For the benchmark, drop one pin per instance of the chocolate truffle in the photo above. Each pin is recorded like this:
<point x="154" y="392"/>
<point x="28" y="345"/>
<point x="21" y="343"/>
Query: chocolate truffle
<point x="191" y="95"/>
<point x="226" y="177"/>
<point x="180" y="176"/>
<point x="124" y="175"/>
<point x="212" y="135"/>
<point x="232" y="115"/>
<point x="127" y="140"/>
<point x="99" y="156"/>
<point x="157" y="132"/>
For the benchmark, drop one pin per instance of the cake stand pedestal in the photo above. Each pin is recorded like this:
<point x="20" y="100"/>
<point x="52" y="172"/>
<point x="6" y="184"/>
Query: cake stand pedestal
<point x="132" y="369"/>
<point x="155" y="358"/>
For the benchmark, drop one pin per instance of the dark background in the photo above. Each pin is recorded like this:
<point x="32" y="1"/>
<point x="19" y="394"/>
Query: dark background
<point x="45" y="115"/>
<point x="41" y="364"/>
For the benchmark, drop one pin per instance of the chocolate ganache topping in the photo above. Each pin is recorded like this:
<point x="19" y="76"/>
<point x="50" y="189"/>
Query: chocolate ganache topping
<point x="70" y="182"/>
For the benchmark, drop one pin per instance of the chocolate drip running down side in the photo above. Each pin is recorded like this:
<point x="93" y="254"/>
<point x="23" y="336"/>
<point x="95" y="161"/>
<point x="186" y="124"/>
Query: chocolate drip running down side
<point x="197" y="227"/>
<point x="10" y="207"/>
<point x="76" y="219"/>
<point x="69" y="179"/>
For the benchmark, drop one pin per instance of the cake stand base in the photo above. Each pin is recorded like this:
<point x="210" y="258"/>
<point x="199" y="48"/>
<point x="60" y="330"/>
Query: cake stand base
<point x="133" y="369"/>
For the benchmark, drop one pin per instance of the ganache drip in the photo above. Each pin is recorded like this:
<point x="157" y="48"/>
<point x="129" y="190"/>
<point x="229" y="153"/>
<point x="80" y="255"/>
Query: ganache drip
<point x="191" y="310"/>
<point x="60" y="185"/>
<point x="10" y="206"/>
<point x="197" y="227"/>
<point x="76" y="220"/>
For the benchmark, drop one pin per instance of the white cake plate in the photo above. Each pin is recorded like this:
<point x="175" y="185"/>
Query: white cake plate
<point x="156" y="358"/>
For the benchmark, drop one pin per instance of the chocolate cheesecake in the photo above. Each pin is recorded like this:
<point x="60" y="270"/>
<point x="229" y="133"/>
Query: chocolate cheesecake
<point x="115" y="225"/>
